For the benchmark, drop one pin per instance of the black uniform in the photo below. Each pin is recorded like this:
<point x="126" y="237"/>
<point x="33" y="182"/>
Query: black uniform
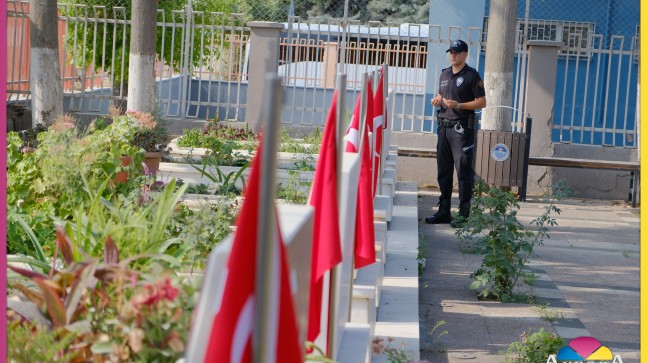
<point x="455" y="147"/>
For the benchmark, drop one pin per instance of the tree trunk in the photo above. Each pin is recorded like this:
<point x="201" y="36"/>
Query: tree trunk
<point x="45" y="74"/>
<point x="499" y="64"/>
<point x="141" y="67"/>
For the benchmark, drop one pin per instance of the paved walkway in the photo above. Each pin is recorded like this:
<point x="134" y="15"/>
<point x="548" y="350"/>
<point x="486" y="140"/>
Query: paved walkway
<point x="588" y="278"/>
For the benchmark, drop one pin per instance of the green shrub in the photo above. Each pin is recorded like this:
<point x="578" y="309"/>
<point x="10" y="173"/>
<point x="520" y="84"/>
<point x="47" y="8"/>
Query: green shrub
<point x="505" y="243"/>
<point x="46" y="181"/>
<point x="533" y="348"/>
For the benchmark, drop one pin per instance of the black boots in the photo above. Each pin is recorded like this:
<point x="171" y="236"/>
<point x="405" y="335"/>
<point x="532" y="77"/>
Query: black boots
<point x="443" y="215"/>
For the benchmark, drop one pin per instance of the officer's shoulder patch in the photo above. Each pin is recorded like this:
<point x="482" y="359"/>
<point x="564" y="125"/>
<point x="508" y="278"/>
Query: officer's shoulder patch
<point x="480" y="84"/>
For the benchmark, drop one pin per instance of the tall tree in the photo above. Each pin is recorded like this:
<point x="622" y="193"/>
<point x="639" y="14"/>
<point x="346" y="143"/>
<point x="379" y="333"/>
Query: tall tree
<point x="499" y="64"/>
<point x="397" y="11"/>
<point x="44" y="75"/>
<point x="141" y="69"/>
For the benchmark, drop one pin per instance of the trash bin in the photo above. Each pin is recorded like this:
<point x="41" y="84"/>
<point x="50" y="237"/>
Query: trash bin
<point x="499" y="157"/>
<point x="502" y="158"/>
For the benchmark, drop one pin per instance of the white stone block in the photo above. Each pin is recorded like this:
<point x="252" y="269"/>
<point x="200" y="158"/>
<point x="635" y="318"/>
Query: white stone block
<point x="381" y="208"/>
<point x="363" y="307"/>
<point x="344" y="272"/>
<point x="372" y="276"/>
<point x="381" y="239"/>
<point x="356" y="346"/>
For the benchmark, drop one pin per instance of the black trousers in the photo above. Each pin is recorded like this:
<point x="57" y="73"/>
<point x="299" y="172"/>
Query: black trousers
<point x="455" y="150"/>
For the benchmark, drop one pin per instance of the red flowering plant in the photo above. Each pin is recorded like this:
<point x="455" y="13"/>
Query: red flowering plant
<point x="108" y="311"/>
<point x="152" y="325"/>
<point x="151" y="135"/>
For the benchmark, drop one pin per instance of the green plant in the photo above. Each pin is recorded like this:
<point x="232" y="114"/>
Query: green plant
<point x="226" y="183"/>
<point x="308" y="145"/>
<point x="28" y="343"/>
<point x="113" y="312"/>
<point x="294" y="191"/>
<point x="435" y="336"/>
<point x="151" y="135"/>
<point x="394" y="355"/>
<point x="303" y="163"/>
<point x="533" y="348"/>
<point x="529" y="278"/>
<point x="30" y="136"/>
<point x="317" y="354"/>
<point x="139" y="225"/>
<point x="549" y="314"/>
<point x="47" y="181"/>
<point x="503" y="241"/>
<point x="197" y="189"/>
<point x="202" y="229"/>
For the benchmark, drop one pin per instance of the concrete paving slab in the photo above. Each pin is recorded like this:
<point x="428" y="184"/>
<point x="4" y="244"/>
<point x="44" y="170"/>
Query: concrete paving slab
<point x="588" y="271"/>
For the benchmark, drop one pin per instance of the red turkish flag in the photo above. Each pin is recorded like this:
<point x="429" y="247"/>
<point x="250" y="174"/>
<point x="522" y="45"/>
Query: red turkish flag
<point x="230" y="340"/>
<point x="364" y="229"/>
<point x="378" y="123"/>
<point x="326" y="243"/>
<point x="352" y="134"/>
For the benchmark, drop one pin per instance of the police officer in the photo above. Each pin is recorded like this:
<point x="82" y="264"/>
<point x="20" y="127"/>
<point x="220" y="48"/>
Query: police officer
<point x="460" y="92"/>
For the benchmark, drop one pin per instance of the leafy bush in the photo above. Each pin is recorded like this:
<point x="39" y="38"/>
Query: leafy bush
<point x="112" y="312"/>
<point x="47" y="181"/>
<point x="533" y="348"/>
<point x="202" y="230"/>
<point x="152" y="136"/>
<point x="503" y="241"/>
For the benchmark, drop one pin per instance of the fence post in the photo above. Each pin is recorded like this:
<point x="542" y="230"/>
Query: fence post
<point x="540" y="100"/>
<point x="330" y="64"/>
<point x="263" y="59"/>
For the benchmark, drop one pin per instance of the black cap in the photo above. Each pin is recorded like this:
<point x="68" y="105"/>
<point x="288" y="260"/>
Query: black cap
<point x="457" y="46"/>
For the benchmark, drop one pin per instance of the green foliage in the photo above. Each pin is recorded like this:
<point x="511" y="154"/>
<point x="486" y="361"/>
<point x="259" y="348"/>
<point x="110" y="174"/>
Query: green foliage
<point x="153" y="137"/>
<point x="294" y="191"/>
<point x="221" y="140"/>
<point x="503" y="241"/>
<point x="138" y="225"/>
<point x="392" y="11"/>
<point x="109" y="50"/>
<point x="310" y="144"/>
<point x="549" y="314"/>
<point x="30" y="344"/>
<point x="225" y="182"/>
<point x="393" y="355"/>
<point x="533" y="348"/>
<point x="203" y="229"/>
<point x="303" y="163"/>
<point x="112" y="311"/>
<point x="47" y="181"/>
<point x="434" y="335"/>
<point x="197" y="189"/>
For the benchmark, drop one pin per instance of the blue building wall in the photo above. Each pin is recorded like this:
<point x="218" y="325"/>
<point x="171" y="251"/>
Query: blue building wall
<point x="611" y="17"/>
<point x="617" y="73"/>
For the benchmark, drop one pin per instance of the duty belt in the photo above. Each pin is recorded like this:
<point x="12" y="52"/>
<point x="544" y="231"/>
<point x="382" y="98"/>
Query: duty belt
<point x="467" y="122"/>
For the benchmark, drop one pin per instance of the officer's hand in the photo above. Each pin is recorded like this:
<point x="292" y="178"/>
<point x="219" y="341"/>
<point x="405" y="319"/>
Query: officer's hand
<point x="450" y="103"/>
<point x="437" y="101"/>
